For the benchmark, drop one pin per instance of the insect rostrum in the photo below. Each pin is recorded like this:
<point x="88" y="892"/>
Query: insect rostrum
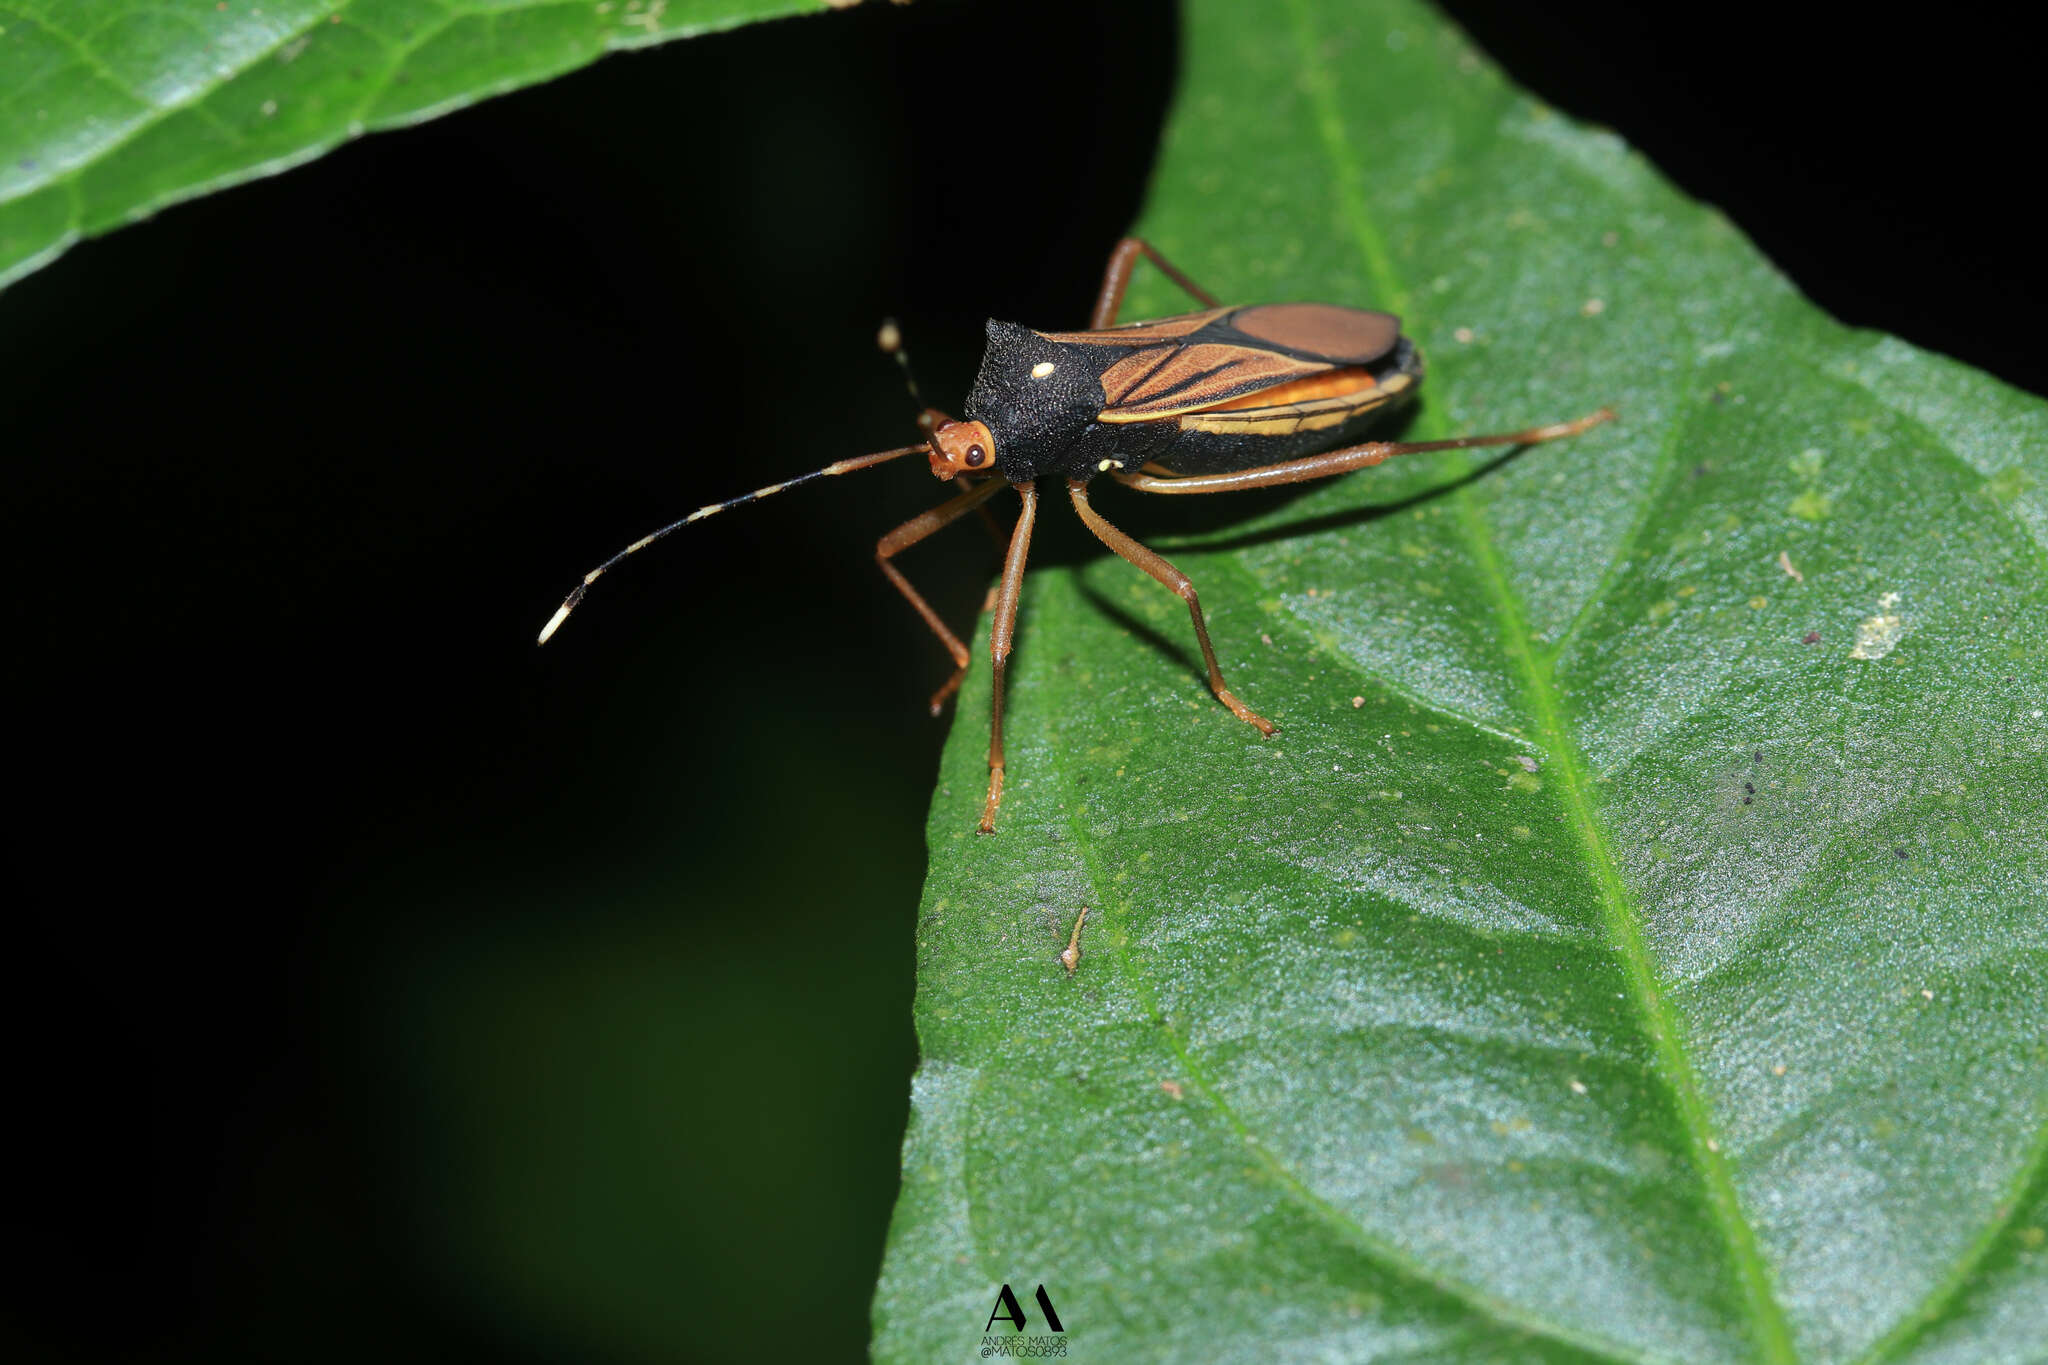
<point x="1207" y="402"/>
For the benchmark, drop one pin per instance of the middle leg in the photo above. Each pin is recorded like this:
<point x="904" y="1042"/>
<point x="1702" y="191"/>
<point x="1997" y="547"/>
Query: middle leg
<point x="1001" y="632"/>
<point x="1173" y="578"/>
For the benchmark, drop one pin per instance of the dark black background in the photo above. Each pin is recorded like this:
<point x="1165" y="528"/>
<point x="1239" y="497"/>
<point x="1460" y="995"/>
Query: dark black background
<point x="296" y="470"/>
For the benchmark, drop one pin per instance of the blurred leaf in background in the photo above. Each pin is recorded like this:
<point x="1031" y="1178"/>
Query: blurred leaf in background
<point x="110" y="110"/>
<point x="1634" y="944"/>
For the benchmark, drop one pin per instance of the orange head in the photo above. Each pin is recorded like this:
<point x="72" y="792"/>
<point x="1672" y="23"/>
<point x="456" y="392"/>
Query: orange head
<point x="957" y="447"/>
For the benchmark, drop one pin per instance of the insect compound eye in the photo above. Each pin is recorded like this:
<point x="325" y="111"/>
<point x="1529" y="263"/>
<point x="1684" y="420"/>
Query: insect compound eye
<point x="976" y="457"/>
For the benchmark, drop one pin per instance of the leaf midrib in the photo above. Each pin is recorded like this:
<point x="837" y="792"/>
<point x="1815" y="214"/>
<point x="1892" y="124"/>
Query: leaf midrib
<point x="1768" y="1327"/>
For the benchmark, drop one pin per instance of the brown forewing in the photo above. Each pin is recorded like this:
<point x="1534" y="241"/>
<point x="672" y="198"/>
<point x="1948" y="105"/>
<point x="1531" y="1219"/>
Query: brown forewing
<point x="1349" y="336"/>
<point x="1245" y="351"/>
<point x="1161" y="381"/>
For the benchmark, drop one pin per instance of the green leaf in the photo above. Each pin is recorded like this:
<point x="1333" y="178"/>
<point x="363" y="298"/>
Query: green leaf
<point x="112" y="109"/>
<point x="1632" y="945"/>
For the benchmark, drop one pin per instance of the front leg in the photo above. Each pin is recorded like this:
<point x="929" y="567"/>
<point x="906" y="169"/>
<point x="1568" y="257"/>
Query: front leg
<point x="909" y="534"/>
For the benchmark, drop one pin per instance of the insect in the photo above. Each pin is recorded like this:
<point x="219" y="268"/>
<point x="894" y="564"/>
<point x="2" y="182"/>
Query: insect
<point x="1208" y="402"/>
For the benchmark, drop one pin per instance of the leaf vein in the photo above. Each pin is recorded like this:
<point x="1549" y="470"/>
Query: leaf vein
<point x="1944" y="1295"/>
<point x="1662" y="476"/>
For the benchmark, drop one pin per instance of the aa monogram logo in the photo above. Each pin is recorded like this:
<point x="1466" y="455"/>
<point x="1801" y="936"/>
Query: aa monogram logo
<point x="1007" y="1309"/>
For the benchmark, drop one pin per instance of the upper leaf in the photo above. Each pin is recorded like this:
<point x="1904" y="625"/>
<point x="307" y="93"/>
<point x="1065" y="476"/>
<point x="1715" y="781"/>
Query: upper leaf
<point x="1632" y="947"/>
<point x="111" y="109"/>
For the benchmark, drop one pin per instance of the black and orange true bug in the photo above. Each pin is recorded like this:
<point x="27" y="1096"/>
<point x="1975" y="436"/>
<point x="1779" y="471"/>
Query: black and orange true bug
<point x="1208" y="402"/>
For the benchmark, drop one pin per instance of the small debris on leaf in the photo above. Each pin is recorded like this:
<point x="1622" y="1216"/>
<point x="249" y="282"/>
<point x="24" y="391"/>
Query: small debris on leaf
<point x="1071" y="958"/>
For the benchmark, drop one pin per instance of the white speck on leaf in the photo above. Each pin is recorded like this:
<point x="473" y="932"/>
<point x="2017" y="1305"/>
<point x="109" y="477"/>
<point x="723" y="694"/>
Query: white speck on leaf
<point x="1878" y="635"/>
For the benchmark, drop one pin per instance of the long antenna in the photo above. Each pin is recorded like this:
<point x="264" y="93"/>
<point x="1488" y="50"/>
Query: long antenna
<point x="836" y="467"/>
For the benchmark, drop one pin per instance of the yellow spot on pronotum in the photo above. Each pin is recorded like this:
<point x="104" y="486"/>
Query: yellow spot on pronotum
<point x="1041" y="369"/>
<point x="554" y="624"/>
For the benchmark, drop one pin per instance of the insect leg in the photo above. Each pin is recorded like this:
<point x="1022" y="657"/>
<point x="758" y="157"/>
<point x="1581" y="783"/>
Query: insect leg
<point x="1116" y="277"/>
<point x="1173" y="578"/>
<point x="1001" y="632"/>
<point x="907" y="535"/>
<point x="1343" y="461"/>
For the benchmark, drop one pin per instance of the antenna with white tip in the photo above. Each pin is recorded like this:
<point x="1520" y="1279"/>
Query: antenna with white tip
<point x="837" y="467"/>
